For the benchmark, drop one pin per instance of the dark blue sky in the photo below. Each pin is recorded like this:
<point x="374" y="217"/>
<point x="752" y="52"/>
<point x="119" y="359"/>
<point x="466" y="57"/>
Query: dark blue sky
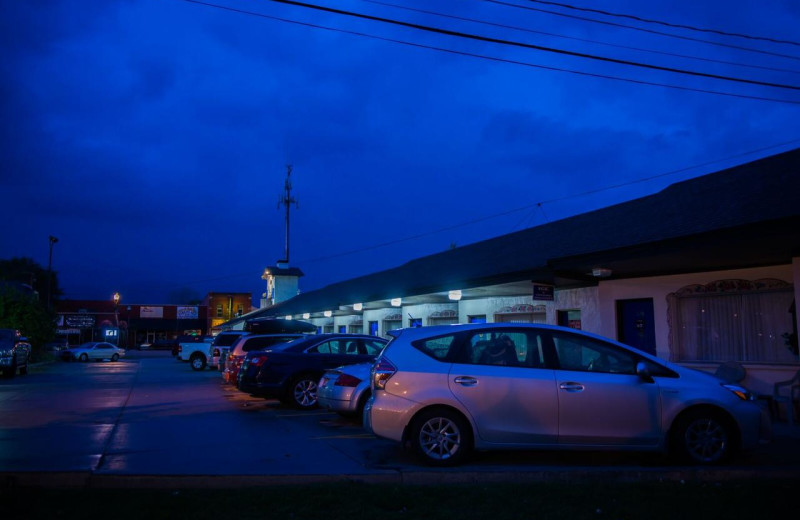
<point x="152" y="137"/>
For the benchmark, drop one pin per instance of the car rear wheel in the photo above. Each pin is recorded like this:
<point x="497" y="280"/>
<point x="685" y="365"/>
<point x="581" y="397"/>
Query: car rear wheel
<point x="703" y="437"/>
<point x="198" y="362"/>
<point x="303" y="392"/>
<point x="440" y="437"/>
<point x="115" y="357"/>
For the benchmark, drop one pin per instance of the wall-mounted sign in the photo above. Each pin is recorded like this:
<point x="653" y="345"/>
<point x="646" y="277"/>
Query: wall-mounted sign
<point x="543" y="292"/>
<point x="151" y="312"/>
<point x="80" y="321"/>
<point x="187" y="313"/>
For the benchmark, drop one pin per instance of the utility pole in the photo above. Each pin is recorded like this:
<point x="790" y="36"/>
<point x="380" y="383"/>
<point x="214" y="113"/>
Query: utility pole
<point x="287" y="200"/>
<point x="53" y="240"/>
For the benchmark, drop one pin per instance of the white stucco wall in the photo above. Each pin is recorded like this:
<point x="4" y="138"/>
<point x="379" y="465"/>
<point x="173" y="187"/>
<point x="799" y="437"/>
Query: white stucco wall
<point x="760" y="377"/>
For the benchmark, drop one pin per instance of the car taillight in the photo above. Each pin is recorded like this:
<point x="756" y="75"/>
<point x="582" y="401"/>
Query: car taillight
<point x="258" y="360"/>
<point x="347" y="380"/>
<point x="381" y="371"/>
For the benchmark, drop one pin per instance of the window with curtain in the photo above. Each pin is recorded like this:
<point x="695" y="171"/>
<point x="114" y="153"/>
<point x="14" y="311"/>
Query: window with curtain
<point x="732" y="320"/>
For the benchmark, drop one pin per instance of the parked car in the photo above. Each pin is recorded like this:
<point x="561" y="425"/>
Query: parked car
<point x="195" y="350"/>
<point x="249" y="343"/>
<point x="450" y="389"/>
<point x="157" y="344"/>
<point x="221" y="346"/>
<point x="291" y="371"/>
<point x="15" y="352"/>
<point x="93" y="350"/>
<point x="345" y="390"/>
<point x="56" y="346"/>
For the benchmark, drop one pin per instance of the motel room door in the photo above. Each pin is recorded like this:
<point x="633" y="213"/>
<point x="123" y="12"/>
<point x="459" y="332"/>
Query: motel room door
<point x="636" y="324"/>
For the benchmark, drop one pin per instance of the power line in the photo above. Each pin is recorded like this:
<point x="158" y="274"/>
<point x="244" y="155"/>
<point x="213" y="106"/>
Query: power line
<point x="641" y="29"/>
<point x="584" y="40"/>
<point x="667" y="24"/>
<point x="492" y="58"/>
<point x="540" y="204"/>
<point x="488" y="39"/>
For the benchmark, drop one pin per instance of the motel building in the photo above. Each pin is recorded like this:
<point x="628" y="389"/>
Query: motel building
<point x="703" y="272"/>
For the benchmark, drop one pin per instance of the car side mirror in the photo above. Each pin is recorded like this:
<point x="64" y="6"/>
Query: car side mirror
<point x="644" y="372"/>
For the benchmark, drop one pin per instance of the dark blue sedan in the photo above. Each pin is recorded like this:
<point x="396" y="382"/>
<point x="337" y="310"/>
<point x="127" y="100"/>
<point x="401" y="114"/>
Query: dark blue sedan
<point x="291" y="371"/>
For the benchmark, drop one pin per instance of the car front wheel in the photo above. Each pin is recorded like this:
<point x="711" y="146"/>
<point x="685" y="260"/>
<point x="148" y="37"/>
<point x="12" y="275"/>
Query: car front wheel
<point x="84" y="357"/>
<point x="703" y="437"/>
<point x="440" y="437"/>
<point x="115" y="357"/>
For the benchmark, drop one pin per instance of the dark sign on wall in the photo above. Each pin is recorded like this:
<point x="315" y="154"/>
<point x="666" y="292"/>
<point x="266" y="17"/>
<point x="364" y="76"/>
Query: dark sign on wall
<point x="543" y="292"/>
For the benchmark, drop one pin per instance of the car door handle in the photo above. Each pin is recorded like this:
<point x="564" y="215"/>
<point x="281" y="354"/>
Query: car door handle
<point x="571" y="387"/>
<point x="466" y="381"/>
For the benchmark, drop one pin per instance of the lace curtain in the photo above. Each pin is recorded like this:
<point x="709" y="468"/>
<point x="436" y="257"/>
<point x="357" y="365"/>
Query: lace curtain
<point x="724" y="325"/>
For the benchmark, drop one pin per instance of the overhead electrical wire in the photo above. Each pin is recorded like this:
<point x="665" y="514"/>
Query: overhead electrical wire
<point x="641" y="29"/>
<point x="543" y="48"/>
<point x="667" y="24"/>
<point x="493" y="58"/>
<point x="540" y="204"/>
<point x="583" y="40"/>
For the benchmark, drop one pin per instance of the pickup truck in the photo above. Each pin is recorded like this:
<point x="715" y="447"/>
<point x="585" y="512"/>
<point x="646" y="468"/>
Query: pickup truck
<point x="195" y="350"/>
<point x="15" y="351"/>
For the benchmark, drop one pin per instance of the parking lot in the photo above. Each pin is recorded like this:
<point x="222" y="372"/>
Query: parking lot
<point x="149" y="416"/>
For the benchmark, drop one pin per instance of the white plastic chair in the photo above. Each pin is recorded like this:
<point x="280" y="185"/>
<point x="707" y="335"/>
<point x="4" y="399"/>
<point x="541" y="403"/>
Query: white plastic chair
<point x="790" y="397"/>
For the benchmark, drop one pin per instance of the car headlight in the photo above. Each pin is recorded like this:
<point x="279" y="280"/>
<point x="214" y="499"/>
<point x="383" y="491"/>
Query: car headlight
<point x="741" y="392"/>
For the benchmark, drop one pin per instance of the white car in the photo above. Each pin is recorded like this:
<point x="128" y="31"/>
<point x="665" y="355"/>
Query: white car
<point x="450" y="389"/>
<point x="345" y="390"/>
<point x="93" y="350"/>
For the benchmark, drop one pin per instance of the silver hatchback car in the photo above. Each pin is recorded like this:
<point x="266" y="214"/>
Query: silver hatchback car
<point x="450" y="389"/>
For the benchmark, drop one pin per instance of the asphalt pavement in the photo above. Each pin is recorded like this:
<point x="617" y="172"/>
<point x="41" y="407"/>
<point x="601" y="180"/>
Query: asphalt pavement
<point x="118" y="462"/>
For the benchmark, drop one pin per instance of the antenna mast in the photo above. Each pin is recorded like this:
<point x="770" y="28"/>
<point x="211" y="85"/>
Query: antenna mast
<point x="287" y="200"/>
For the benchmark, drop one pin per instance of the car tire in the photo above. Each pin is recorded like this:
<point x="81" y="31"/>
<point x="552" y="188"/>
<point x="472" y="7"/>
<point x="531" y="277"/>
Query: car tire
<point x="198" y="362"/>
<point x="84" y="357"/>
<point x="303" y="392"/>
<point x="115" y="357"/>
<point x="362" y="403"/>
<point x="440" y="437"/>
<point x="703" y="437"/>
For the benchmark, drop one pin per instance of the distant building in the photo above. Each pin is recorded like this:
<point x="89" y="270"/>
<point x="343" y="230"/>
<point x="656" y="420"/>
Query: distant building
<point x="225" y="306"/>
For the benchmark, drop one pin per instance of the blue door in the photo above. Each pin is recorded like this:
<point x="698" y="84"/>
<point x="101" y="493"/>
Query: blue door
<point x="636" y="324"/>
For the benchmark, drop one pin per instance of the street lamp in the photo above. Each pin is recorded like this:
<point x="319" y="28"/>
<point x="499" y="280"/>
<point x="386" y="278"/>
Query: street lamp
<point x="116" y="299"/>
<point x="53" y="240"/>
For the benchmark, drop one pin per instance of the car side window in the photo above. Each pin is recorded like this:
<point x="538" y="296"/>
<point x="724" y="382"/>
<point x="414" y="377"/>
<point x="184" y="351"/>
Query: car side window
<point x="328" y="347"/>
<point x="506" y="347"/>
<point x="373" y="348"/>
<point x="588" y="355"/>
<point x="438" y="348"/>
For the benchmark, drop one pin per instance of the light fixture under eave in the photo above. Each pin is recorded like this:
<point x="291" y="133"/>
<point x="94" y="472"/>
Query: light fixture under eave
<point x="358" y="306"/>
<point x="288" y="316"/>
<point x="454" y="295"/>
<point x="306" y="315"/>
<point x="328" y="314"/>
<point x="396" y="302"/>
<point x="601" y="272"/>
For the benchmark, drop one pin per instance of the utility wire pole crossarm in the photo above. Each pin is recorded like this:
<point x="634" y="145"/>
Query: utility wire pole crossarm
<point x="287" y="200"/>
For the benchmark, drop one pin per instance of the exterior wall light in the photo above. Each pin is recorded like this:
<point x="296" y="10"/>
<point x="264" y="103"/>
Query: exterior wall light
<point x="288" y="316"/>
<point x="328" y="314"/>
<point x="397" y="302"/>
<point x="601" y="272"/>
<point x="454" y="295"/>
<point x="306" y="315"/>
<point x="358" y="306"/>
